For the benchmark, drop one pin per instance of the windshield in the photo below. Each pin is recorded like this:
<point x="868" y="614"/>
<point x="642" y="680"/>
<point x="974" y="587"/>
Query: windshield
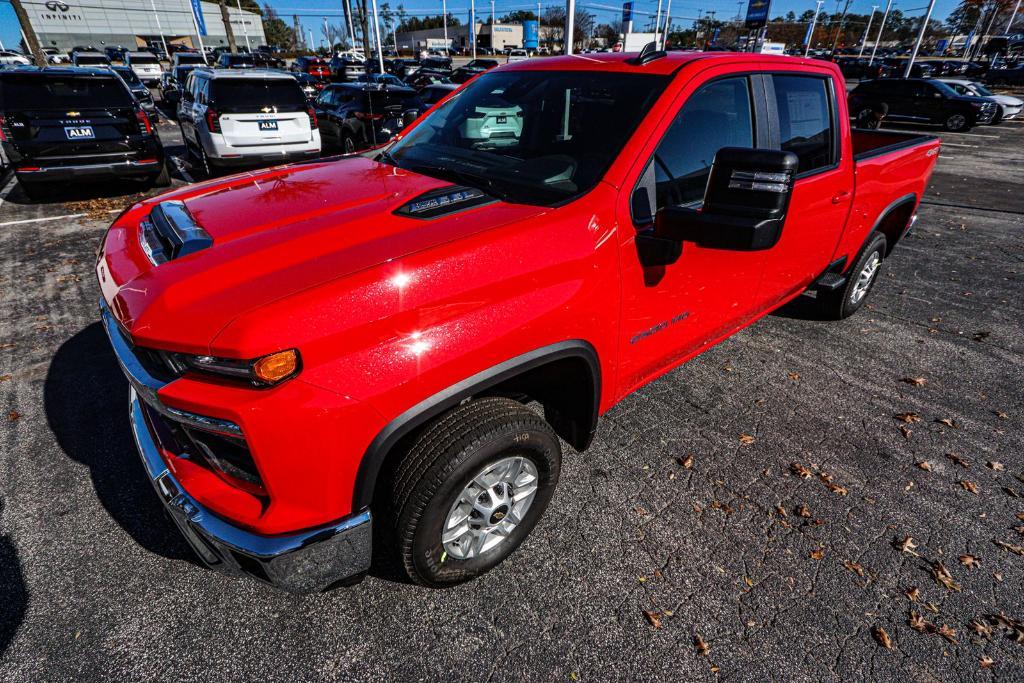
<point x="63" y="92"/>
<point x="82" y="60"/>
<point x="252" y="94"/>
<point x="127" y="75"/>
<point x="144" y="59"/>
<point x="537" y="137"/>
<point x="182" y="72"/>
<point x="981" y="90"/>
<point x="189" y="59"/>
<point x="944" y="88"/>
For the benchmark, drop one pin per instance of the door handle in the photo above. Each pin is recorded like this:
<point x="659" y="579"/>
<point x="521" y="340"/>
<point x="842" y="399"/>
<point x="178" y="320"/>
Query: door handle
<point x="840" y="196"/>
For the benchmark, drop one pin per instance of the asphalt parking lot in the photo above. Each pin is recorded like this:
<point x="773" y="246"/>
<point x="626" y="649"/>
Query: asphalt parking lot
<point x="761" y="512"/>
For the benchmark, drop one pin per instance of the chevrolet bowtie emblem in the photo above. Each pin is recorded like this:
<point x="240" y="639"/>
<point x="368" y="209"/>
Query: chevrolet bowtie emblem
<point x="74" y="113"/>
<point x="498" y="516"/>
<point x="266" y="110"/>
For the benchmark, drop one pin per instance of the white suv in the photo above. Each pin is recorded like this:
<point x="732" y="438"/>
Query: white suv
<point x="246" y="118"/>
<point x="145" y="65"/>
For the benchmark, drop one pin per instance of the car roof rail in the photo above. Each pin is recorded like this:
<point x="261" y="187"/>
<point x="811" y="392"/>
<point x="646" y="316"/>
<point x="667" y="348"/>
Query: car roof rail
<point x="649" y="53"/>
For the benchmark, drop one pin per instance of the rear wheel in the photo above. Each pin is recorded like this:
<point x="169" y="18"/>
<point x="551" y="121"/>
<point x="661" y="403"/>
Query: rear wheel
<point x="861" y="279"/>
<point x="163" y="178"/>
<point x="34" y="190"/>
<point x="470" y="489"/>
<point x="957" y="123"/>
<point x="348" y="144"/>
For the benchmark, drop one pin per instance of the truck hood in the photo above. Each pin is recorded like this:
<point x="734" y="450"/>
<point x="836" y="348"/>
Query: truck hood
<point x="275" y="233"/>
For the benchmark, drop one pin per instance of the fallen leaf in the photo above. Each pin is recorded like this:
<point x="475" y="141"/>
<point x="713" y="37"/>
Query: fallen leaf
<point x="747" y="439"/>
<point x="803" y="511"/>
<point x="781" y="510"/>
<point x="931" y="607"/>
<point x="1009" y="547"/>
<point x="908" y="545"/>
<point x="5" y="378"/>
<point x="985" y="662"/>
<point x="948" y="632"/>
<point x="13" y="416"/>
<point x="908" y="417"/>
<point x="969" y="486"/>
<point x="958" y="460"/>
<point x="836" y="489"/>
<point x="993" y="465"/>
<point x="924" y="465"/>
<point x="1001" y="415"/>
<point x="653" y="618"/>
<point x="915" y="381"/>
<point x="920" y="624"/>
<point x="882" y="637"/>
<point x="854" y="567"/>
<point x="942" y="575"/>
<point x="686" y="462"/>
<point x="906" y="431"/>
<point x="913" y="593"/>
<point x="981" y="628"/>
<point x="799" y="470"/>
<point x="818" y="554"/>
<point x="970" y="561"/>
<point x="700" y="645"/>
<point x="948" y="422"/>
<point x="795" y="376"/>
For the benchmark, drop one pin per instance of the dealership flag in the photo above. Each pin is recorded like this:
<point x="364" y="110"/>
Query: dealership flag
<point x="197" y="12"/>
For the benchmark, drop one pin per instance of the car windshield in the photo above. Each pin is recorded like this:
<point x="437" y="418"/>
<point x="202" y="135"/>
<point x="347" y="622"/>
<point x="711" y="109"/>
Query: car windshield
<point x="127" y="75"/>
<point x="240" y="60"/>
<point x="944" y="88"/>
<point x="62" y="92"/>
<point x="538" y="137"/>
<point x="91" y="59"/>
<point x="981" y="90"/>
<point x="189" y="59"/>
<point x="144" y="59"/>
<point x="253" y="94"/>
<point x="182" y="72"/>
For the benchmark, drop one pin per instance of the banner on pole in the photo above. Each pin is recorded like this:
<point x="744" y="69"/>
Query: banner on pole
<point x="757" y="13"/>
<point x="197" y="12"/>
<point x="807" y="36"/>
<point x="627" y="12"/>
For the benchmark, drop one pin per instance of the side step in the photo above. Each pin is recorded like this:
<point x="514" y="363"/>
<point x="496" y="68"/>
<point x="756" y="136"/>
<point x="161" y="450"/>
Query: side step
<point x="833" y="278"/>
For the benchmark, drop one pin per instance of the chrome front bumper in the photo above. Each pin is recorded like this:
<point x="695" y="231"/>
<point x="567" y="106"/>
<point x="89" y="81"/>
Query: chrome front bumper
<point x="303" y="562"/>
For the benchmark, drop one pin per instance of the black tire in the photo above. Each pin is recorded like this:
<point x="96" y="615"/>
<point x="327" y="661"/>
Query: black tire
<point x="442" y="461"/>
<point x="847" y="300"/>
<point x="163" y="178"/>
<point x="348" y="144"/>
<point x="34" y="190"/>
<point x="957" y="123"/>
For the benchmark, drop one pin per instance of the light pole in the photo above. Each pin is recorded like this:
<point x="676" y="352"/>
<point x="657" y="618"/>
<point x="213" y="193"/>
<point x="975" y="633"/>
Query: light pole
<point x="376" y="37"/>
<point x="874" y="48"/>
<point x="657" y="22"/>
<point x="472" y="26"/>
<point x="351" y="28"/>
<point x="159" y="27"/>
<point x="444" y="20"/>
<point x="1013" y="15"/>
<point x="867" y="31"/>
<point x="327" y="35"/>
<point x="312" y="45"/>
<point x="814" y="22"/>
<point x="668" y="19"/>
<point x="570" y="16"/>
<point x="920" y="37"/>
<point x="241" y="18"/>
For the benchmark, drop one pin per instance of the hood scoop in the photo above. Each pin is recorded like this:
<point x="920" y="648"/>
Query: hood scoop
<point x="444" y="201"/>
<point x="170" y="232"/>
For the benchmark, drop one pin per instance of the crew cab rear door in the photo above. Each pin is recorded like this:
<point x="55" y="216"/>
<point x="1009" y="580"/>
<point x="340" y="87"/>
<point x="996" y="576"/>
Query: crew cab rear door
<point x="674" y="309"/>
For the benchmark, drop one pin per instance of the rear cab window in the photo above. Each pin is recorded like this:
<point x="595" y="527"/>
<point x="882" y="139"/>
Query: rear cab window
<point x="143" y="59"/>
<point x="254" y="94"/>
<point x="31" y="91"/>
<point x="806" y="120"/>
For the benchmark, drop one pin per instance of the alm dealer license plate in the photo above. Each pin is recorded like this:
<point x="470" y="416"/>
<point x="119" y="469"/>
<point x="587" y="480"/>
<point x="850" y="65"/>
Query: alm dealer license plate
<point x="268" y="124"/>
<point x="79" y="133"/>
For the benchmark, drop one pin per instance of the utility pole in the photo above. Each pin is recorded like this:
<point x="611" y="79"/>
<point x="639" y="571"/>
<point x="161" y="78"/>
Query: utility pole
<point x="874" y="48"/>
<point x="312" y="45"/>
<point x="839" y="29"/>
<point x="867" y="32"/>
<point x="347" y="6"/>
<point x="227" y="26"/>
<point x="376" y="35"/>
<point x="570" y="17"/>
<point x="657" y="23"/>
<point x="814" y="22"/>
<point x="245" y="29"/>
<point x="668" y="25"/>
<point x="31" y="40"/>
<point x="159" y="28"/>
<point x="472" y="26"/>
<point x="920" y="37"/>
<point x="296" y="31"/>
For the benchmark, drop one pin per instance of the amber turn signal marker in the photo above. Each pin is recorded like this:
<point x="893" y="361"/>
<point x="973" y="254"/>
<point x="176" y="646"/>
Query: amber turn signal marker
<point x="276" y="366"/>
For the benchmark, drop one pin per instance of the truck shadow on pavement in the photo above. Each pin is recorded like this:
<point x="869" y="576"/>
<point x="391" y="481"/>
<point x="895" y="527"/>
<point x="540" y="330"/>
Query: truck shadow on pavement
<point x="13" y="594"/>
<point x="86" y="402"/>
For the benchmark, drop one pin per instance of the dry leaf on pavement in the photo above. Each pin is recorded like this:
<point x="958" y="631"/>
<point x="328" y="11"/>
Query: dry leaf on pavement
<point x="969" y="486"/>
<point x="993" y="465"/>
<point x="747" y="439"/>
<point x="818" y="554"/>
<point x="799" y="470"/>
<point x="908" y="417"/>
<point x="913" y="593"/>
<point x="653" y="618"/>
<point x="970" y="561"/>
<point x="908" y="545"/>
<point x="882" y="637"/>
<point x="924" y="465"/>
<point x="1015" y="549"/>
<point x="942" y="575"/>
<point x="958" y="460"/>
<point x="854" y="567"/>
<point x="700" y="645"/>
<point x="915" y="381"/>
<point x="803" y="511"/>
<point x="985" y="662"/>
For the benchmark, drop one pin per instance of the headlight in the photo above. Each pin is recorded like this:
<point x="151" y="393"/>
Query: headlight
<point x="264" y="371"/>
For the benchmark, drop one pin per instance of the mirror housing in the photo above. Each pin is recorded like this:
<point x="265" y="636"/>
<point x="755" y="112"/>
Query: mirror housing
<point x="409" y="116"/>
<point x="745" y="202"/>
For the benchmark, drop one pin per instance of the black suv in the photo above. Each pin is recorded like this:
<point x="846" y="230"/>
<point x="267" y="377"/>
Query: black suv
<point x="68" y="123"/>
<point x="240" y="60"/>
<point x="921" y="100"/>
<point x="139" y="90"/>
<point x="474" y="68"/>
<point x="357" y="115"/>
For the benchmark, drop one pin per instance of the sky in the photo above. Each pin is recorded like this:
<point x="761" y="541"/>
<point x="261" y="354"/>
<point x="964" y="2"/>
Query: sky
<point x="311" y="12"/>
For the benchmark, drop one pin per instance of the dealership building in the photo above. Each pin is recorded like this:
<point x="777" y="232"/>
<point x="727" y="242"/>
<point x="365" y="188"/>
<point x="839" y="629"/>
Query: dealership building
<point x="64" y="24"/>
<point x="497" y="36"/>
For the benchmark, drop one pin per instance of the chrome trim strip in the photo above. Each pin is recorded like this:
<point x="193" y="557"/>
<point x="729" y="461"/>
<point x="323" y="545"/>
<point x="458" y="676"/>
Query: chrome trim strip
<point x="303" y="562"/>
<point x="147" y="386"/>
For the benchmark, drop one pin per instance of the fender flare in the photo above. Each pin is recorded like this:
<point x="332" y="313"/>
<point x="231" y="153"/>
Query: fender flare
<point x="909" y="198"/>
<point x="418" y="415"/>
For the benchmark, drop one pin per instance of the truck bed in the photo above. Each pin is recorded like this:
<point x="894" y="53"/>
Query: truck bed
<point x="872" y="143"/>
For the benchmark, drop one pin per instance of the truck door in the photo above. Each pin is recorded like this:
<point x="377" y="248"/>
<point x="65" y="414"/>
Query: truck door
<point x="673" y="311"/>
<point x="806" y="122"/>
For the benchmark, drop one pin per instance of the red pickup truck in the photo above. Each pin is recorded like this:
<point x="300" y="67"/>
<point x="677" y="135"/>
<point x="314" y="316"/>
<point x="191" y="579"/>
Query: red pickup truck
<point x="402" y="339"/>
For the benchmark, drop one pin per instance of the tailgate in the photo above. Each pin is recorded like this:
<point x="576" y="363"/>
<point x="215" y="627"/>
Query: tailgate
<point x="58" y="133"/>
<point x="242" y="130"/>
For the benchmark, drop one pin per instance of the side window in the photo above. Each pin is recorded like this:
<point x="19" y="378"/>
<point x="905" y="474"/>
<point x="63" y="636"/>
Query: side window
<point x="716" y="116"/>
<point x="805" y="120"/>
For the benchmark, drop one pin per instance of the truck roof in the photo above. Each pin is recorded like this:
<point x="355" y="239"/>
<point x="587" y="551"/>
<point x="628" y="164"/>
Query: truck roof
<point x="669" y="64"/>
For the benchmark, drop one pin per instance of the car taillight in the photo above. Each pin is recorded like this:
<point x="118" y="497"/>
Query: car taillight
<point x="368" y="117"/>
<point x="212" y="120"/>
<point x="145" y="126"/>
<point x="312" y="118"/>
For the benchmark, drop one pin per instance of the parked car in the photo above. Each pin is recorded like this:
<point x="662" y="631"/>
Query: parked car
<point x="171" y="83"/>
<point x="432" y="94"/>
<point x="345" y="68"/>
<point x="1007" y="107"/>
<point x="145" y="65"/>
<point x="1006" y="76"/>
<point x="922" y="100"/>
<point x="354" y="116"/>
<point x="898" y="66"/>
<point x="184" y="57"/>
<point x="438" y="65"/>
<point x="314" y="66"/>
<point x="420" y="79"/>
<point x="234" y="117"/>
<point x="66" y="124"/>
<point x="311" y="86"/>
<point x="139" y="91"/>
<point x="89" y="59"/>
<point x="240" y="60"/>
<point x="517" y="56"/>
<point x="13" y="58"/>
<point x="353" y="343"/>
<point x="401" y="67"/>
<point x="55" y="56"/>
<point x="115" y="53"/>
<point x="389" y="80"/>
<point x="475" y="67"/>
<point x="265" y="60"/>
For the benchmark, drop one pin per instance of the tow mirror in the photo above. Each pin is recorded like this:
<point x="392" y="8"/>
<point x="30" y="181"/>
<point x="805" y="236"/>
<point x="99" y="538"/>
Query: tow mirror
<point x="409" y="116"/>
<point x="745" y="202"/>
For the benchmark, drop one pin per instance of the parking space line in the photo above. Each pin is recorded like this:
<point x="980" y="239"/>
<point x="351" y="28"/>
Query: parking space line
<point x="7" y="189"/>
<point x="957" y="144"/>
<point x="973" y="135"/>
<point x="49" y="219"/>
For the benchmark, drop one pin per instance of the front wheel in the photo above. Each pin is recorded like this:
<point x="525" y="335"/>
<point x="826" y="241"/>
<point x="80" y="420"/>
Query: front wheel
<point x="957" y="123"/>
<point x="861" y="278"/>
<point x="471" y="488"/>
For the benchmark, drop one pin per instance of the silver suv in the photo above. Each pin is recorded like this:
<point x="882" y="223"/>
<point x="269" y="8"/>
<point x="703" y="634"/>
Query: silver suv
<point x="246" y="118"/>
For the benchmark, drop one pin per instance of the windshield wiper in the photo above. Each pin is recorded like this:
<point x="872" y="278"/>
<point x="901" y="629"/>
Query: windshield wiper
<point x="386" y="158"/>
<point x="477" y="180"/>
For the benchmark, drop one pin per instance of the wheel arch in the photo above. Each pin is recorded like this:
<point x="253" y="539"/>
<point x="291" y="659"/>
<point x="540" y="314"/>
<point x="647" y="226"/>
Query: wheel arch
<point x="893" y="221"/>
<point x="564" y="377"/>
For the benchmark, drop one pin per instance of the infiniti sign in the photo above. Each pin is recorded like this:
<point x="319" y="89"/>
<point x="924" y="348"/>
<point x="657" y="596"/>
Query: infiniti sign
<point x="54" y="5"/>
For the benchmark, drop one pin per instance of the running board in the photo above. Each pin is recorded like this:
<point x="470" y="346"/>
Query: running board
<point x="833" y="278"/>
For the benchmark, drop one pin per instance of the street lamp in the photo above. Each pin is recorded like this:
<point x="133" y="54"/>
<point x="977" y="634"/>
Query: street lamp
<point x="920" y="37"/>
<point x="245" y="28"/>
<point x="867" y="31"/>
<point x="814" y="22"/>
<point x="874" y="48"/>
